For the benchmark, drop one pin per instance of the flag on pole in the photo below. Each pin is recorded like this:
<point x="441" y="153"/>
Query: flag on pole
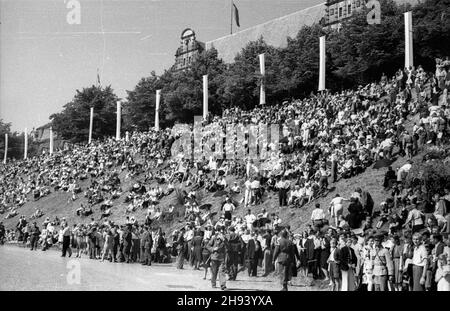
<point x="236" y="15"/>
<point x="98" y="78"/>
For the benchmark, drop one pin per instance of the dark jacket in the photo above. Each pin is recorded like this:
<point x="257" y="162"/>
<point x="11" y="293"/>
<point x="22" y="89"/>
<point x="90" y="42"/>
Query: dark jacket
<point x="234" y="243"/>
<point x="35" y="231"/>
<point x="251" y="249"/>
<point x="161" y="242"/>
<point x="284" y="252"/>
<point x="180" y="243"/>
<point x="355" y="215"/>
<point x="344" y="257"/>
<point x="217" y="247"/>
<point x="146" y="240"/>
<point x="127" y="238"/>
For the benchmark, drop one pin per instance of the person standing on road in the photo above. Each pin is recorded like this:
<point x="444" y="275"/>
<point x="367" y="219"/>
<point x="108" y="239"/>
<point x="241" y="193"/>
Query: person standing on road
<point x="127" y="243"/>
<point x="197" y="249"/>
<point x="180" y="249"/>
<point x="116" y="242"/>
<point x="92" y="242"/>
<point x="217" y="247"/>
<point x="284" y="256"/>
<point x="206" y="256"/>
<point x="147" y="244"/>
<point x="35" y="233"/>
<point x="383" y="265"/>
<point x="108" y="245"/>
<point x="66" y="240"/>
<point x="234" y="248"/>
<point x="267" y="253"/>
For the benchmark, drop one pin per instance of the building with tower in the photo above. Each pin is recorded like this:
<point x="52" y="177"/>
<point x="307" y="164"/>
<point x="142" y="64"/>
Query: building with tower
<point x="188" y="50"/>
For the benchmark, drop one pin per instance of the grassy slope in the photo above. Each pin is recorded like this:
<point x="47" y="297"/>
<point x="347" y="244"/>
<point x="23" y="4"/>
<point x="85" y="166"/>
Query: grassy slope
<point x="57" y="202"/>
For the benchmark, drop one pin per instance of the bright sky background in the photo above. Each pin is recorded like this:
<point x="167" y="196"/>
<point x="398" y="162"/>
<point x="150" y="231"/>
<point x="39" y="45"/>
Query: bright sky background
<point x="43" y="59"/>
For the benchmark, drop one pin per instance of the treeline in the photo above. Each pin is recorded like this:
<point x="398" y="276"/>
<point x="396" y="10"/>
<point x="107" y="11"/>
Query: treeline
<point x="357" y="54"/>
<point x="16" y="142"/>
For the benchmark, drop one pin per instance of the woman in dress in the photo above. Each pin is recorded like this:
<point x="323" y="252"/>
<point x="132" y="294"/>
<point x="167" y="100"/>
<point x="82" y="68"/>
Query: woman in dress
<point x="397" y="257"/>
<point x="324" y="255"/>
<point x="197" y="249"/>
<point x="302" y="251"/>
<point x="206" y="257"/>
<point x="347" y="260"/>
<point x="367" y="264"/>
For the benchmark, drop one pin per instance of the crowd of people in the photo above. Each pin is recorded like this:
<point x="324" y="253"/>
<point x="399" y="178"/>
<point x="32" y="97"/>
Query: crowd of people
<point x="325" y="137"/>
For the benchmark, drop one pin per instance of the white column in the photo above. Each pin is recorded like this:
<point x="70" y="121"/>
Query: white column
<point x="205" y="96"/>
<point x="127" y="136"/>
<point x="262" y="91"/>
<point x="6" y="149"/>
<point x="91" y="123"/>
<point x="322" y="64"/>
<point x="25" y="145"/>
<point x="118" y="121"/>
<point x="408" y="40"/>
<point x="51" y="140"/>
<point x="158" y="100"/>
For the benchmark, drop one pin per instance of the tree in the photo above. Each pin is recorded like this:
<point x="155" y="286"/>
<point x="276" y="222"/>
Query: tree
<point x="433" y="174"/>
<point x="240" y="85"/>
<point x="431" y="32"/>
<point x="361" y="52"/>
<point x="299" y="66"/>
<point x="183" y="90"/>
<point x="139" y="110"/>
<point x="15" y="142"/>
<point x="73" y="122"/>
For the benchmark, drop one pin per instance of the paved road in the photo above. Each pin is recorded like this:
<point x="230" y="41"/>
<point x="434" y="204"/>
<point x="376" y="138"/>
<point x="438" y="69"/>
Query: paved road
<point x="22" y="269"/>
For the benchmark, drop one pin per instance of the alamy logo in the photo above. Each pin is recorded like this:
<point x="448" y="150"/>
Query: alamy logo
<point x="232" y="141"/>
<point x="374" y="16"/>
<point x="74" y="274"/>
<point x="73" y="17"/>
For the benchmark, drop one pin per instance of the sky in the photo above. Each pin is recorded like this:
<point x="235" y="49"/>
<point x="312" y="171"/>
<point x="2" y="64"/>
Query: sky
<point x="44" y="59"/>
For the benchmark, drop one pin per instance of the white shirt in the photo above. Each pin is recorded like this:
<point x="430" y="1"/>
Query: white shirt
<point x="420" y="256"/>
<point x="317" y="214"/>
<point x="337" y="202"/>
<point x="228" y="207"/>
<point x="404" y="169"/>
<point x="249" y="219"/>
<point x="255" y="184"/>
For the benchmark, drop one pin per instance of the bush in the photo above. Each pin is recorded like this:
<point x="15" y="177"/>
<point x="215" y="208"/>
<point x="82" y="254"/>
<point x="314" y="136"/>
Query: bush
<point x="433" y="174"/>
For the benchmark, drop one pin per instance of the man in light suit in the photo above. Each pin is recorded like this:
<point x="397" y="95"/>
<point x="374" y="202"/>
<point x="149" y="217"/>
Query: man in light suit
<point x="383" y="265"/>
